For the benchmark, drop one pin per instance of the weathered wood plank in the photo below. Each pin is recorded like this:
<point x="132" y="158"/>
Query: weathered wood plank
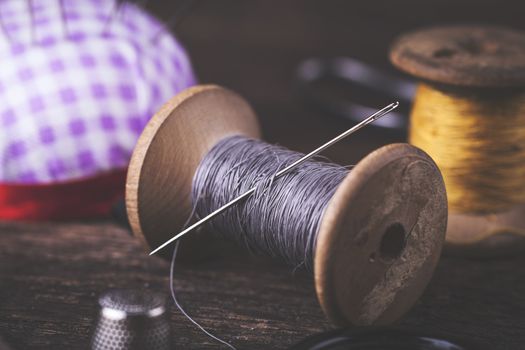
<point x="51" y="276"/>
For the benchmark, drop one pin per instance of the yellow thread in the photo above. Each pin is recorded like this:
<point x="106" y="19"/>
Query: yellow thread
<point x="478" y="141"/>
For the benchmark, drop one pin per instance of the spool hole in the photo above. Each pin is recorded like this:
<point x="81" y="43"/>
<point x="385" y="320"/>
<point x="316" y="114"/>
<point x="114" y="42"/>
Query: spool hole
<point x="393" y="242"/>
<point x="444" y="53"/>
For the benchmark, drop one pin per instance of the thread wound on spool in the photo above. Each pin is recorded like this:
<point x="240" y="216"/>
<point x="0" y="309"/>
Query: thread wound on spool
<point x="282" y="218"/>
<point x="395" y="184"/>
<point x="476" y="138"/>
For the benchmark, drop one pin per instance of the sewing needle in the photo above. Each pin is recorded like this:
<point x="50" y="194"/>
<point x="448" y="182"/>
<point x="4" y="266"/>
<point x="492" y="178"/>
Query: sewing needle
<point x="380" y="113"/>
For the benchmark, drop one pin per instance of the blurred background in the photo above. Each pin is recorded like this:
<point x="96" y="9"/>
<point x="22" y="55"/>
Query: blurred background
<point x="254" y="47"/>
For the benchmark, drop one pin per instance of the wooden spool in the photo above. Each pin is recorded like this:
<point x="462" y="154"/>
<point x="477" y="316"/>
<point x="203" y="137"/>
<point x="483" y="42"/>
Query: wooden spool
<point x="468" y="60"/>
<point x="380" y="237"/>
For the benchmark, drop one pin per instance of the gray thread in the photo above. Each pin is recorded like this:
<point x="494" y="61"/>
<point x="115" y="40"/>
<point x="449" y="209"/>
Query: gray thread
<point x="282" y="217"/>
<point x="174" y="294"/>
<point x="181" y="309"/>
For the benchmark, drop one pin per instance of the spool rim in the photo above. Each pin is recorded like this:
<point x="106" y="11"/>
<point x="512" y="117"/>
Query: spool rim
<point x="463" y="55"/>
<point x="344" y="291"/>
<point x="168" y="153"/>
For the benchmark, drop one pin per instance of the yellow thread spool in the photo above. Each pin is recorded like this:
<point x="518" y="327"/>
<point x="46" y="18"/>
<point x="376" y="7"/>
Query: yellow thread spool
<point x="478" y="144"/>
<point x="469" y="115"/>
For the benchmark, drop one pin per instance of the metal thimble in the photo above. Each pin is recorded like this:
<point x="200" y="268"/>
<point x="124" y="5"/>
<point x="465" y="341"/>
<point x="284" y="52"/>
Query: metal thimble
<point x="132" y="320"/>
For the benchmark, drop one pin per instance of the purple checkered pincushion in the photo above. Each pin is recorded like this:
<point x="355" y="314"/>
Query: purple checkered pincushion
<point x="78" y="82"/>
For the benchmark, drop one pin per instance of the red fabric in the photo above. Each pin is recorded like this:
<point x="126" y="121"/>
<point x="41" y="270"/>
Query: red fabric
<point x="79" y="199"/>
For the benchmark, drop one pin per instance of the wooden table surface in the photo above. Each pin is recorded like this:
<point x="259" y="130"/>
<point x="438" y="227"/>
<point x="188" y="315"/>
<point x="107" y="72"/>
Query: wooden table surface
<point x="51" y="274"/>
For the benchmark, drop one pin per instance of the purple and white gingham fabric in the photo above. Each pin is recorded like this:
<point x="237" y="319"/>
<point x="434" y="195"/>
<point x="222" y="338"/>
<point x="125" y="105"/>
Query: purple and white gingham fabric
<point x="78" y="82"/>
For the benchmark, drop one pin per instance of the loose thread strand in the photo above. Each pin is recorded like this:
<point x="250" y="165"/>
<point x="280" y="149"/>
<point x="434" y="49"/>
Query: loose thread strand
<point x="181" y="309"/>
<point x="174" y="295"/>
<point x="281" y="218"/>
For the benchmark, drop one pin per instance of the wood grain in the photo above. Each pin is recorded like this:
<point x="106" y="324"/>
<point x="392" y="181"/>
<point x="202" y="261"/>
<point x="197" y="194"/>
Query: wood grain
<point x="52" y="274"/>
<point x="463" y="55"/>
<point x="360" y="279"/>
